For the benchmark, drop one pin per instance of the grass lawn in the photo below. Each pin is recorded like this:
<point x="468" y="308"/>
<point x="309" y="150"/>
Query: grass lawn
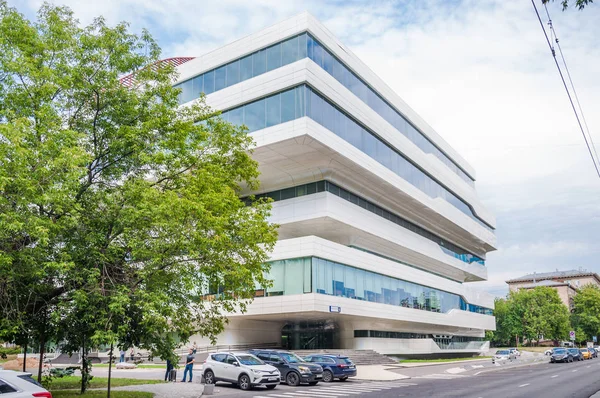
<point x="102" y="394"/>
<point x="142" y="366"/>
<point x="74" y="382"/>
<point x="440" y="360"/>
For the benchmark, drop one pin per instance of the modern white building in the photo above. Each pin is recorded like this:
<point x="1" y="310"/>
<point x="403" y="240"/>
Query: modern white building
<point x="381" y="228"/>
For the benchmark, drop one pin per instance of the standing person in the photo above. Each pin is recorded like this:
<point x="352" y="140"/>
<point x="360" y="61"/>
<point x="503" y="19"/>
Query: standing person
<point x="122" y="355"/>
<point x="169" y="369"/>
<point x="132" y="354"/>
<point x="195" y="348"/>
<point x="189" y="365"/>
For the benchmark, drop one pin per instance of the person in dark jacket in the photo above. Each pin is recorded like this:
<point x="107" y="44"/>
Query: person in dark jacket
<point x="169" y="369"/>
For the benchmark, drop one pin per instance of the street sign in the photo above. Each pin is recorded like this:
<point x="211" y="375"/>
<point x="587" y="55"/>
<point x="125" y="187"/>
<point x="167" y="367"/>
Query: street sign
<point x="335" y="308"/>
<point x="595" y="339"/>
<point x="572" y="335"/>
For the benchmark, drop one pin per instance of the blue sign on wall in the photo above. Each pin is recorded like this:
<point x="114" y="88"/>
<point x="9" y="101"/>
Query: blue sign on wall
<point x="335" y="308"/>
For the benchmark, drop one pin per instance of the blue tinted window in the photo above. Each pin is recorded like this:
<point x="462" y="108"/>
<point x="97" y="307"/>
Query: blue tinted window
<point x="287" y="106"/>
<point x="233" y="73"/>
<point x="220" y="78"/>
<point x="273" y="57"/>
<point x="209" y="82"/>
<point x="198" y="83"/>
<point x="302" y="46"/>
<point x="187" y="91"/>
<point x="259" y="62"/>
<point x="317" y="53"/>
<point x="300" y="94"/>
<point x="289" y="51"/>
<point x="236" y="116"/>
<point x="310" y="45"/>
<point x="246" y="68"/>
<point x="327" y="62"/>
<point x="273" y="110"/>
<point x="254" y="115"/>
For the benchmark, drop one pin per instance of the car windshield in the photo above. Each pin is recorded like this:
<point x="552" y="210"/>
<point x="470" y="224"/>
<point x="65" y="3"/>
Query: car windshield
<point x="249" y="360"/>
<point x="573" y="350"/>
<point x="502" y="352"/>
<point x="291" y="358"/>
<point x="560" y="351"/>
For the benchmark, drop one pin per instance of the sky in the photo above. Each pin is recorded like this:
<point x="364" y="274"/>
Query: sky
<point x="479" y="72"/>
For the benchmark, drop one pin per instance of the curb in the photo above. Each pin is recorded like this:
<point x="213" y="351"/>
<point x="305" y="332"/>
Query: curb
<point x="439" y="363"/>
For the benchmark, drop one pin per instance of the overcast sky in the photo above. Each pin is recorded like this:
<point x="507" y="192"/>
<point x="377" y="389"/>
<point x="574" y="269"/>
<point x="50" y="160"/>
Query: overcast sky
<point x="479" y="72"/>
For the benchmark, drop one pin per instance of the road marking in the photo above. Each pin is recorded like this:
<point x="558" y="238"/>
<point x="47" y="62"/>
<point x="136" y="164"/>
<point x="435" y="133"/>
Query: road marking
<point x="553" y="376"/>
<point x="478" y="373"/>
<point x="574" y="370"/>
<point x="524" y="385"/>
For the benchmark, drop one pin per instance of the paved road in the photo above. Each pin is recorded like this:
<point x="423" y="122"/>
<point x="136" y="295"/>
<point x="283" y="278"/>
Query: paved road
<point x="541" y="379"/>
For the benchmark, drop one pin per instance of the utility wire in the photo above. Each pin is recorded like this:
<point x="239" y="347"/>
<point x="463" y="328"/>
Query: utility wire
<point x="566" y="88"/>
<point x="555" y="39"/>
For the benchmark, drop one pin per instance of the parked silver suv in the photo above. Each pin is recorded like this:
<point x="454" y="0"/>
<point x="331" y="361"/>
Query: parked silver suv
<point x="243" y="369"/>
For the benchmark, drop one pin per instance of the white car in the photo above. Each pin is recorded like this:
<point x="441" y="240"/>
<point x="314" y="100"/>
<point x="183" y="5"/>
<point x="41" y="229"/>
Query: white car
<point x="20" y="385"/>
<point x="243" y="369"/>
<point x="503" y="356"/>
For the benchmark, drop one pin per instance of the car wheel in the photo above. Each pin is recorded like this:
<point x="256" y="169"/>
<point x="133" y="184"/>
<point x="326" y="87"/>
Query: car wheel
<point x="271" y="386"/>
<point x="344" y="378"/>
<point x="209" y="377"/>
<point x="327" y="376"/>
<point x="244" y="382"/>
<point x="313" y="383"/>
<point x="292" y="379"/>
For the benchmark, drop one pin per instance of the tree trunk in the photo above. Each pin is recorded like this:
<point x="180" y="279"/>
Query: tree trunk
<point x="42" y="350"/>
<point x="110" y="361"/>
<point x="84" y="368"/>
<point x="25" y="357"/>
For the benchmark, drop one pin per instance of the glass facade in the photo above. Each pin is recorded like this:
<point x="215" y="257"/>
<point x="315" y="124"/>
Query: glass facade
<point x="316" y="275"/>
<point x="292" y="50"/>
<point x="326" y="186"/>
<point x="306" y="102"/>
<point x="444" y="342"/>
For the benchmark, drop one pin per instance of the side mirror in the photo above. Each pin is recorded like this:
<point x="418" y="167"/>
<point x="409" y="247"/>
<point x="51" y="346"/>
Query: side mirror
<point x="236" y="363"/>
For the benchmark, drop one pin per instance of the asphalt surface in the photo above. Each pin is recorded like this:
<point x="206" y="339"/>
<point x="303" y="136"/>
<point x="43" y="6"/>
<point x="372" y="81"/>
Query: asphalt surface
<point x="531" y="380"/>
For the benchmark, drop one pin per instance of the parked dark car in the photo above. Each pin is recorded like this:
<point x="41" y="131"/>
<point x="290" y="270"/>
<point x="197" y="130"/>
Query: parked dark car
<point x="594" y="352"/>
<point x="576" y="354"/>
<point x="294" y="370"/>
<point x="561" y="355"/>
<point x="334" y="366"/>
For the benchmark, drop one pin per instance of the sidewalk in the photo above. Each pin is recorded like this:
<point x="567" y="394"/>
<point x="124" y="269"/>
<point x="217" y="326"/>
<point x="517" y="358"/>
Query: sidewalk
<point x="377" y="373"/>
<point x="168" y="390"/>
<point x="419" y="364"/>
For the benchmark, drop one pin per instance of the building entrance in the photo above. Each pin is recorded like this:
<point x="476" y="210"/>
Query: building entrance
<point x="310" y="335"/>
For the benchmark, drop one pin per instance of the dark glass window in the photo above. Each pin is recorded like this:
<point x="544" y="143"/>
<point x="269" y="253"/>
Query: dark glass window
<point x="273" y="57"/>
<point x="209" y="82"/>
<point x="259" y="62"/>
<point x="273" y="110"/>
<point x="220" y="78"/>
<point x="246" y="68"/>
<point x="254" y="115"/>
<point x="289" y="51"/>
<point x="287" y="106"/>
<point x="233" y="73"/>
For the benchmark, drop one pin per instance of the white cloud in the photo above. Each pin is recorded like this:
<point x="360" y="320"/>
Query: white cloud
<point x="479" y="72"/>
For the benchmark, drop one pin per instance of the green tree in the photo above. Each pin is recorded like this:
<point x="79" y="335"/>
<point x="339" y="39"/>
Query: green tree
<point x="526" y="313"/>
<point x="118" y="208"/>
<point x="579" y="4"/>
<point x="586" y="312"/>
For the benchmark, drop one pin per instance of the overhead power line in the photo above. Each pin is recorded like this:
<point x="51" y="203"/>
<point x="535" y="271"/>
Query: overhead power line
<point x="562" y="56"/>
<point x="585" y="138"/>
